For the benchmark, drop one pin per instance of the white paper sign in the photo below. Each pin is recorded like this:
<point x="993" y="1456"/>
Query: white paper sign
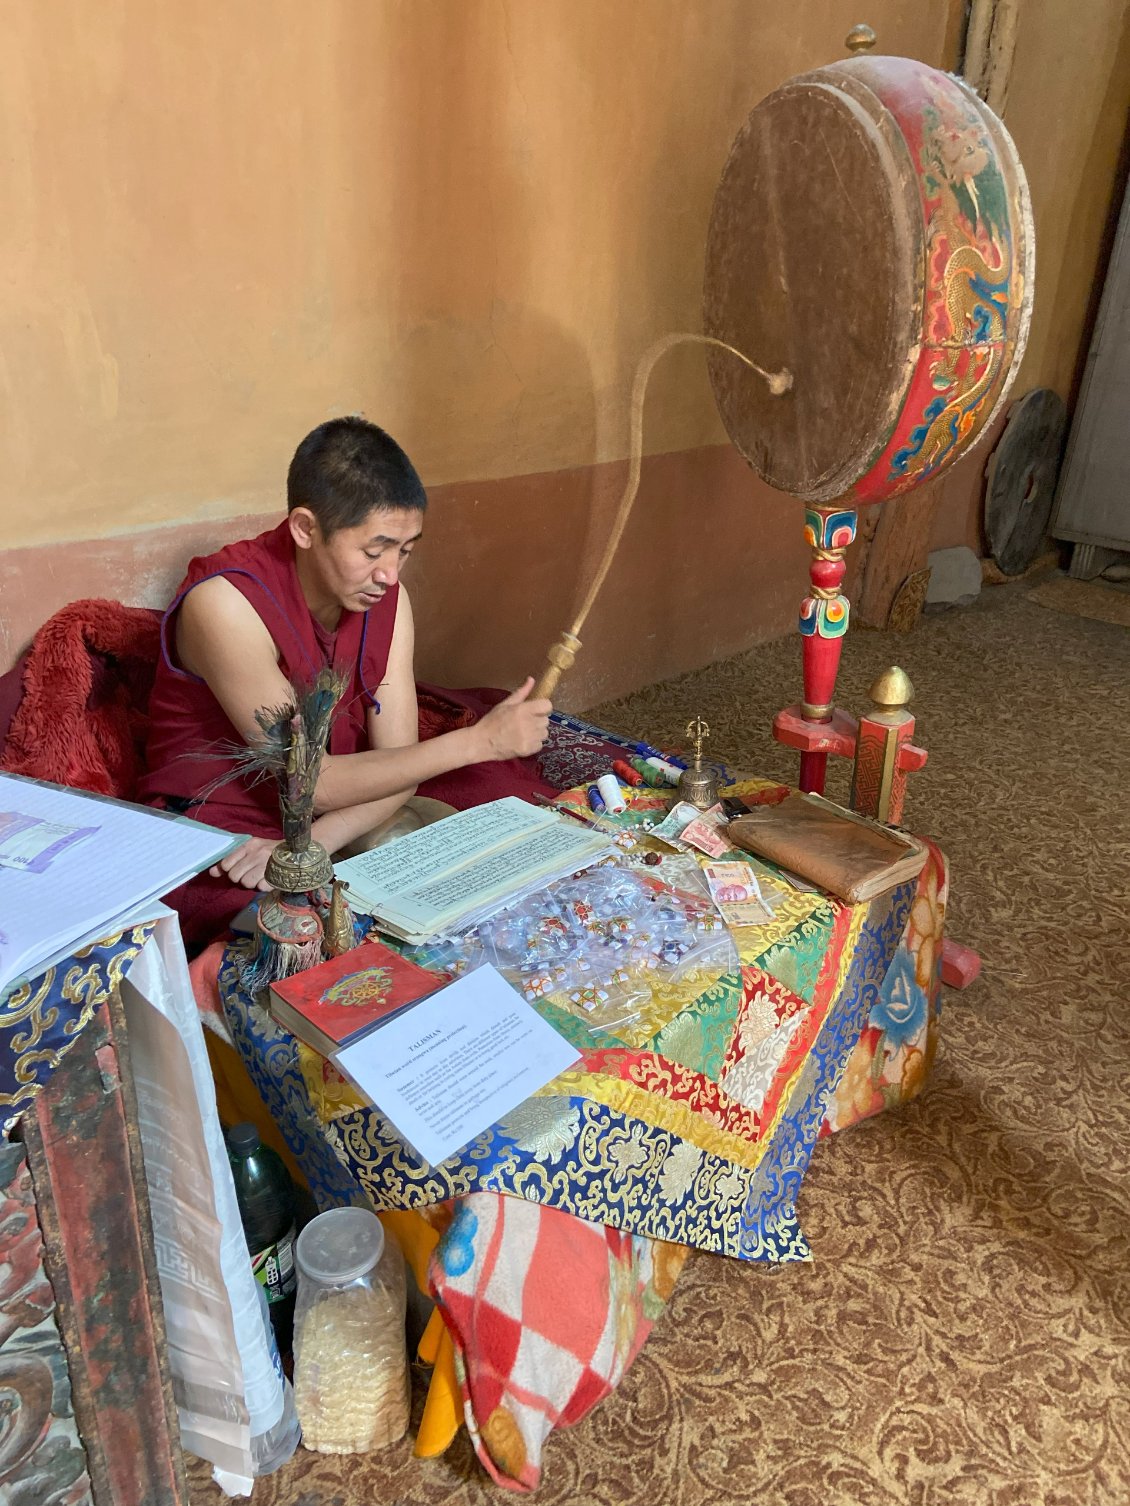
<point x="457" y="1062"/>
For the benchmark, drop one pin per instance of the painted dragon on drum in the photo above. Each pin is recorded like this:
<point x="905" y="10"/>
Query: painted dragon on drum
<point x="975" y="276"/>
<point x="970" y="248"/>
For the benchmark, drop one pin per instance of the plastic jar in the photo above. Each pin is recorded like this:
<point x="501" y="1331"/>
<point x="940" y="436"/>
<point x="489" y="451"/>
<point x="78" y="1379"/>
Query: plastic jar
<point x="351" y="1383"/>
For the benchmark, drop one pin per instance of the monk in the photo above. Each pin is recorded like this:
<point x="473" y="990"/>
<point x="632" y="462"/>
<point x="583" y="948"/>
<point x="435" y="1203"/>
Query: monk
<point x="323" y="587"/>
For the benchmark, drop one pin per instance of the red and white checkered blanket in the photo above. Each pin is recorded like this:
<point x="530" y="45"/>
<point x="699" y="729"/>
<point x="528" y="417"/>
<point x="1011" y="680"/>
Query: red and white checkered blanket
<point x="536" y="1350"/>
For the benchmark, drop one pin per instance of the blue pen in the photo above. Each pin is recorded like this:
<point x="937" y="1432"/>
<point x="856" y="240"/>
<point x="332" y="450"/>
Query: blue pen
<point x="645" y="750"/>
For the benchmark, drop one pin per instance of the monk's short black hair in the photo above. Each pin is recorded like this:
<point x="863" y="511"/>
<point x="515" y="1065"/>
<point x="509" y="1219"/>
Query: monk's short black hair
<point x="346" y="468"/>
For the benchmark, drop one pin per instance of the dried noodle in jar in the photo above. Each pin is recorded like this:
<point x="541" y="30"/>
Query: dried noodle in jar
<point x="351" y="1385"/>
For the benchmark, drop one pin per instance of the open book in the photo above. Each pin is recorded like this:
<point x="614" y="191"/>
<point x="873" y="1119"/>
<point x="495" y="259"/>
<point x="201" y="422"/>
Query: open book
<point x="72" y="864"/>
<point x="466" y="867"/>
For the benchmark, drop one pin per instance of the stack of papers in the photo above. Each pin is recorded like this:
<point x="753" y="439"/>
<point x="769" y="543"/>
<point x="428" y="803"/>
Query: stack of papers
<point x="75" y="867"/>
<point x="466" y="867"/>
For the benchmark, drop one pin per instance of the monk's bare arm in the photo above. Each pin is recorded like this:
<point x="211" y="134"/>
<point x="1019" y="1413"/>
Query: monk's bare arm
<point x="395" y="726"/>
<point x="515" y="728"/>
<point x="221" y="638"/>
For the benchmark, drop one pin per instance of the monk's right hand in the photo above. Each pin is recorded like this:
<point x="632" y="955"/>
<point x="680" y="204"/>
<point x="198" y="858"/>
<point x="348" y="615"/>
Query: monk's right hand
<point x="247" y="865"/>
<point x="517" y="727"/>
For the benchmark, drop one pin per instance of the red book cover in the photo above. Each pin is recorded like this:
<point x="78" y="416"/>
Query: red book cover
<point x="337" y="1002"/>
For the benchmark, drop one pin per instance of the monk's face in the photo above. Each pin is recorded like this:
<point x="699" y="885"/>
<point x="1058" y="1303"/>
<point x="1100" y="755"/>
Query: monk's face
<point x="354" y="567"/>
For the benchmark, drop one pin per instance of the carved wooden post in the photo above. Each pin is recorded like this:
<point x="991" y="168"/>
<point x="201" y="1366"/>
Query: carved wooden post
<point x="84" y="1152"/>
<point x="823" y="623"/>
<point x="884" y="754"/>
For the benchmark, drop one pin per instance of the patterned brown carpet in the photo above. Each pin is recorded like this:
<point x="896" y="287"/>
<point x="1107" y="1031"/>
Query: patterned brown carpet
<point x="1100" y="599"/>
<point x="963" y="1335"/>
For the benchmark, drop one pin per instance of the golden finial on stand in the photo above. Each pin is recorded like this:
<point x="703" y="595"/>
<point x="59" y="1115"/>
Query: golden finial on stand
<point x="891" y="693"/>
<point x="340" y="937"/>
<point x="698" y="786"/>
<point x="860" y="38"/>
<point x="884" y="754"/>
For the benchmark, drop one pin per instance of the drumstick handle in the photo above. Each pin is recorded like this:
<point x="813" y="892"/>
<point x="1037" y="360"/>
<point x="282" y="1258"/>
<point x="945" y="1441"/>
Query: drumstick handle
<point x="559" y="658"/>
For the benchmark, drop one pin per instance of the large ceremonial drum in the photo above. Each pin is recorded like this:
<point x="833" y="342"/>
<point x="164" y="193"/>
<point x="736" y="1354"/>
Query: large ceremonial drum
<point x="872" y="233"/>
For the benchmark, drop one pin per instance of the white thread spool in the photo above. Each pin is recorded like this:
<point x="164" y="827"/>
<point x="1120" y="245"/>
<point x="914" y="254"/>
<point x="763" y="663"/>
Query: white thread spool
<point x="609" y="787"/>
<point x="665" y="770"/>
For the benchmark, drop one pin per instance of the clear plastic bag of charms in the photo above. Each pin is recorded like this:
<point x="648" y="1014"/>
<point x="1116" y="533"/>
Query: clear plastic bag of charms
<point x="598" y="944"/>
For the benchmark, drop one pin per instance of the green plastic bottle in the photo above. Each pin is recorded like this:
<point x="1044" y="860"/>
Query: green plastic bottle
<point x="265" y="1195"/>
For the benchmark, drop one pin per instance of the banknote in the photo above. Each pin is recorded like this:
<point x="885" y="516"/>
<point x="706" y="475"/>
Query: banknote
<point x="683" y="816"/>
<point x="737" y="894"/>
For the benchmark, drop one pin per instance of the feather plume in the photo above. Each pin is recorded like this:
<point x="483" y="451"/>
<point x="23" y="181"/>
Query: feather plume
<point x="289" y="751"/>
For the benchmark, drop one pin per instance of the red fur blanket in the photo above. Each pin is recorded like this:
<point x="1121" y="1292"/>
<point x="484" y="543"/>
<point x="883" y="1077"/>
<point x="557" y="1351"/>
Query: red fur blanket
<point x="81" y="718"/>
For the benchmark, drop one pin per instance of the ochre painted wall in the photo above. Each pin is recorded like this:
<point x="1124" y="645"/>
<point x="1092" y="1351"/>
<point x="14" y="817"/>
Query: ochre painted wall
<point x="464" y="218"/>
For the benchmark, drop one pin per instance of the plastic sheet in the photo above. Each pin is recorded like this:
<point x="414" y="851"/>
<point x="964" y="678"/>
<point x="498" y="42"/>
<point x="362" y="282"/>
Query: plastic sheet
<point x="599" y="944"/>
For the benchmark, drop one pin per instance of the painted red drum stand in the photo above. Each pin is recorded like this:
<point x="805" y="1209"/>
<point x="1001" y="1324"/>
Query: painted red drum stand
<point x="824" y="614"/>
<point x="884" y="756"/>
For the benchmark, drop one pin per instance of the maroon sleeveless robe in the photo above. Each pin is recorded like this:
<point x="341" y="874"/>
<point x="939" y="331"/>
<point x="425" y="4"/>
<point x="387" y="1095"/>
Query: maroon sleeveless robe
<point x="188" y="726"/>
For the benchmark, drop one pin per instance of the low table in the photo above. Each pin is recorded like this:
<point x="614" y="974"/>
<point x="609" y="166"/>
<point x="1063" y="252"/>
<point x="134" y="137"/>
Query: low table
<point x="692" y="1130"/>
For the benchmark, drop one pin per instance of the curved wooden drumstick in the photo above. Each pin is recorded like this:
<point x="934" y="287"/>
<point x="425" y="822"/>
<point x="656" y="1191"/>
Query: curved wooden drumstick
<point x="562" y="655"/>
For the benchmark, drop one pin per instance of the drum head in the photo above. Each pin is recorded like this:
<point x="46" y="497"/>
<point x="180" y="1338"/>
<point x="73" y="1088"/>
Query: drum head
<point x="813" y="263"/>
<point x="871" y="233"/>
